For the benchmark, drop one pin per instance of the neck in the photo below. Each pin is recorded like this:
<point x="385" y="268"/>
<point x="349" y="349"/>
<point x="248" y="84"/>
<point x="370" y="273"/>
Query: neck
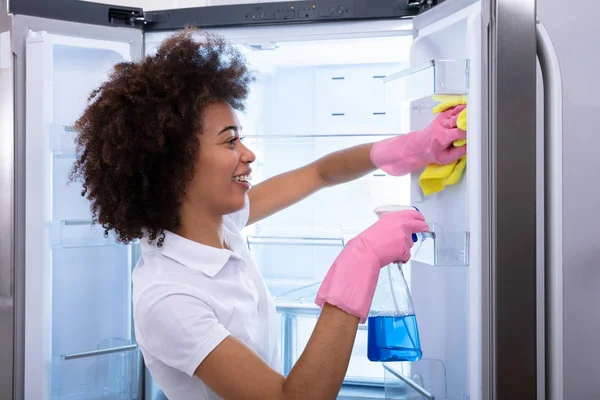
<point x="201" y="226"/>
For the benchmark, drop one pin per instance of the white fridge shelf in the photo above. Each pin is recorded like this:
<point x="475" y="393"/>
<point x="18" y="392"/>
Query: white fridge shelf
<point x="434" y="77"/>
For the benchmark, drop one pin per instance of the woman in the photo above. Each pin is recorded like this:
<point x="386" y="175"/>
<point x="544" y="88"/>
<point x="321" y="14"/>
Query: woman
<point x="161" y="160"/>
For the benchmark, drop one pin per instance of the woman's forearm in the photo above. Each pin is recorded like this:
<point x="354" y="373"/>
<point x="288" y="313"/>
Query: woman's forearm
<point x="319" y="372"/>
<point x="345" y="165"/>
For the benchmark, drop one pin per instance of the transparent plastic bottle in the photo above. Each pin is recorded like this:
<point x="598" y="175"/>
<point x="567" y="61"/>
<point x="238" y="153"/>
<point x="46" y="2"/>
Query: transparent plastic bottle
<point x="393" y="333"/>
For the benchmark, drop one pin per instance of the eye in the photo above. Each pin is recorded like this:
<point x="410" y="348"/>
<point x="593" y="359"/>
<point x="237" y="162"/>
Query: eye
<point x="231" y="142"/>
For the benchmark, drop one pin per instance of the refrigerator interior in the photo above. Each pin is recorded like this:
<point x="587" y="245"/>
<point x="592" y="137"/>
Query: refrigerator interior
<point x="314" y="97"/>
<point x="78" y="299"/>
<point x="324" y="87"/>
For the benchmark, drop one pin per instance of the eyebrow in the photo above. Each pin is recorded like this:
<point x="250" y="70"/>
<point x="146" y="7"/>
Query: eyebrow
<point x="229" y="128"/>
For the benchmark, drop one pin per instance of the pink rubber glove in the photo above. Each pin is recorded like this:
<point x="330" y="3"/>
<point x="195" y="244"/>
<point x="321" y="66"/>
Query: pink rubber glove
<point x="351" y="281"/>
<point x="404" y="154"/>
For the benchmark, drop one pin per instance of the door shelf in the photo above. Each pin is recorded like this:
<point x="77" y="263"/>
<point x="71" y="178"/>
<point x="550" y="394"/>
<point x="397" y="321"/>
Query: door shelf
<point x="434" y="77"/>
<point x="109" y="372"/>
<point x="78" y="233"/>
<point x="438" y="248"/>
<point x="62" y="140"/>
<point x="425" y="379"/>
<point x="447" y="249"/>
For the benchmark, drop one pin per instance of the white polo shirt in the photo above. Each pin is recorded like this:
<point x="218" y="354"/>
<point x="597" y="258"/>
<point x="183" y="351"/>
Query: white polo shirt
<point x="188" y="297"/>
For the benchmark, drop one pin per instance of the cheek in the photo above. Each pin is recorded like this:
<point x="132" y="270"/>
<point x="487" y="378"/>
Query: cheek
<point x="205" y="171"/>
<point x="219" y="166"/>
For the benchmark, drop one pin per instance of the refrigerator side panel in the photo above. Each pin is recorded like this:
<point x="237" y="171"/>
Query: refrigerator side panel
<point x="513" y="199"/>
<point x="6" y="208"/>
<point x="579" y="62"/>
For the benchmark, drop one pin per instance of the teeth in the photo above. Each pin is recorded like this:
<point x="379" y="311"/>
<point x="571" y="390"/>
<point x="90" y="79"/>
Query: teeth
<point x="245" y="178"/>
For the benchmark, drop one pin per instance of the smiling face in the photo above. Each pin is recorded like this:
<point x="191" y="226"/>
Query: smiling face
<point x="222" y="176"/>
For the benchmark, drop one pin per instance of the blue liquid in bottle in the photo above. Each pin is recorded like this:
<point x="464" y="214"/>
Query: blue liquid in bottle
<point x="393" y="339"/>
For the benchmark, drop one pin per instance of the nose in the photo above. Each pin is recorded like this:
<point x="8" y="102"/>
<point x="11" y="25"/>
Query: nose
<point x="247" y="156"/>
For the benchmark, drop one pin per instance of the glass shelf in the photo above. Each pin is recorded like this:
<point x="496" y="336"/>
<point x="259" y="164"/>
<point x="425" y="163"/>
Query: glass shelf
<point x="434" y="77"/>
<point x="293" y="241"/>
<point x="424" y="379"/>
<point x="279" y="287"/>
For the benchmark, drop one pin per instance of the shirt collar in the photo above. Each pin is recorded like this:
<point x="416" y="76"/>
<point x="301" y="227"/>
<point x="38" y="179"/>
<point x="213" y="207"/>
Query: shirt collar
<point x="206" y="259"/>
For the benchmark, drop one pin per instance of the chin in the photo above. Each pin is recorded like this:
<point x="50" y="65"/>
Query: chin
<point x="234" y="206"/>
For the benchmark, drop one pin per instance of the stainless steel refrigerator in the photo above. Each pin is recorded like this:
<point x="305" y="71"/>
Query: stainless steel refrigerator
<point x="506" y="291"/>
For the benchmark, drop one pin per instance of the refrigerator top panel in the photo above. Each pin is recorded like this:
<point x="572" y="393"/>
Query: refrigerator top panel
<point x="270" y="13"/>
<point x="282" y="12"/>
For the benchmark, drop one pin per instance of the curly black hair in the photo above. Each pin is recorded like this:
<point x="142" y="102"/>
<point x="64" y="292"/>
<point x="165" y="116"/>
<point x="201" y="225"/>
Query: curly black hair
<point x="137" y="141"/>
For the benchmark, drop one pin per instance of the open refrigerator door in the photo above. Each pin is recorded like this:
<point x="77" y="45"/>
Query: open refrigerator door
<point x="79" y="341"/>
<point x="445" y="274"/>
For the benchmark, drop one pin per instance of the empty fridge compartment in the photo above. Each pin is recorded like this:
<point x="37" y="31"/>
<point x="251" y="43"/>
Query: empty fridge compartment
<point x="434" y="77"/>
<point x="328" y="211"/>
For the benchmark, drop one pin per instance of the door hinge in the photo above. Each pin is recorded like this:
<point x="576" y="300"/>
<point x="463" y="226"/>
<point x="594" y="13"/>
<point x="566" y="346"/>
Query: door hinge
<point x="423" y="5"/>
<point x="136" y="16"/>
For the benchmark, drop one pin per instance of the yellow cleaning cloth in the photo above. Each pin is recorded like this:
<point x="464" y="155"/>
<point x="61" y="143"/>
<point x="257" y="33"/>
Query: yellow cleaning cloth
<point x="436" y="177"/>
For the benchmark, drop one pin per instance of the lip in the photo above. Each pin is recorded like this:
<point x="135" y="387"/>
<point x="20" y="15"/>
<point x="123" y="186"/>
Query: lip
<point x="248" y="172"/>
<point x="245" y="185"/>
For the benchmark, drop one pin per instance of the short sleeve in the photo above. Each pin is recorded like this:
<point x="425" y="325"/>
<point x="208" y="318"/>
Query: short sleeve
<point x="179" y="329"/>
<point x="240" y="218"/>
